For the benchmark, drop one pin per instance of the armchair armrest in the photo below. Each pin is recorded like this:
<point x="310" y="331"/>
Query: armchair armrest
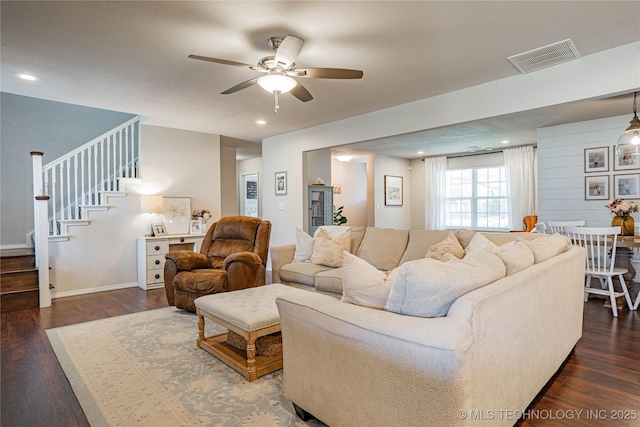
<point x="176" y="261"/>
<point x="244" y="270"/>
<point x="280" y="255"/>
<point x="187" y="260"/>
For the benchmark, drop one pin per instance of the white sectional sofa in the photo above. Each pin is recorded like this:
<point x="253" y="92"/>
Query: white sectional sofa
<point x="481" y="363"/>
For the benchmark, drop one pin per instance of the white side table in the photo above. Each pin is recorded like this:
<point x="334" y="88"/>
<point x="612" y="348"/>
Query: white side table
<point x="151" y="252"/>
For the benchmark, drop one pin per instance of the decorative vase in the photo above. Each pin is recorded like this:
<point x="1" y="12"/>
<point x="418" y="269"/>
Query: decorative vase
<point x="626" y="224"/>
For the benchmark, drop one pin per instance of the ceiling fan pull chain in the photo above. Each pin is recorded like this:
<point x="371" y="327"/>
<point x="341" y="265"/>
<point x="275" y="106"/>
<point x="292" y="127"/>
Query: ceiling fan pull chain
<point x="277" y="107"/>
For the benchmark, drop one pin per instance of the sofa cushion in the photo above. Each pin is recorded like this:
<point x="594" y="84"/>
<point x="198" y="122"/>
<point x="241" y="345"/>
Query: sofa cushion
<point x="464" y="236"/>
<point x="327" y="251"/>
<point x="515" y="255"/>
<point x="477" y="244"/>
<point x="428" y="288"/>
<point x="383" y="247"/>
<point x="547" y="247"/>
<point x="329" y="280"/>
<point x="419" y="243"/>
<point x="363" y="284"/>
<point x="448" y="246"/>
<point x="304" y="246"/>
<point x="301" y="272"/>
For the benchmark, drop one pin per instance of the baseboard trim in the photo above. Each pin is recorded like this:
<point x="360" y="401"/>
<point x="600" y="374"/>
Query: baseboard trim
<point x="55" y="295"/>
<point x="17" y="246"/>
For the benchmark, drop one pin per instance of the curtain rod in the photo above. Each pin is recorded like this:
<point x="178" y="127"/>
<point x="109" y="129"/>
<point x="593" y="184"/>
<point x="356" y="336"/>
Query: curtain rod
<point x="478" y="153"/>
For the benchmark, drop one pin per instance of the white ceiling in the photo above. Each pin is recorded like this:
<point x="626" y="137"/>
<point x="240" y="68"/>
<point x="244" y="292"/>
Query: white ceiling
<point x="132" y="57"/>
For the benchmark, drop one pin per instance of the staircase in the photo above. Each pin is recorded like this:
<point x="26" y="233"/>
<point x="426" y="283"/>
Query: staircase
<point x="67" y="189"/>
<point x="18" y="280"/>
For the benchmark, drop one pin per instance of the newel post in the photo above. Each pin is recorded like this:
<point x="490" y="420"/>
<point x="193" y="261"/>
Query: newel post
<point x="41" y="230"/>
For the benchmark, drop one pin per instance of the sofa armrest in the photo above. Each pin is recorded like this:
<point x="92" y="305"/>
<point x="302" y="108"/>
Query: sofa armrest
<point x="244" y="270"/>
<point x="280" y="255"/>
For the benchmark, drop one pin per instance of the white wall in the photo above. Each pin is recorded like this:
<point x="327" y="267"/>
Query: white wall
<point x="417" y="194"/>
<point x="561" y="175"/>
<point x="102" y="256"/>
<point x="392" y="216"/>
<point x="601" y="74"/>
<point x="352" y="178"/>
<point x="229" y="180"/>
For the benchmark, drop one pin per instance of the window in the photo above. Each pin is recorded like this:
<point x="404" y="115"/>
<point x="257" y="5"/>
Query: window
<point x="477" y="198"/>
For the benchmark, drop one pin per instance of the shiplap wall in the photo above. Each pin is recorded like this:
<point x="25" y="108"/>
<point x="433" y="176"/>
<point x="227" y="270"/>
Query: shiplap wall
<point x="561" y="176"/>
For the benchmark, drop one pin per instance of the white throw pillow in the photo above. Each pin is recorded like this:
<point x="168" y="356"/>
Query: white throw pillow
<point x="544" y="248"/>
<point x="449" y="246"/>
<point x="515" y="255"/>
<point x="478" y="243"/>
<point x="363" y="284"/>
<point x="304" y="246"/>
<point x="329" y="252"/>
<point x="428" y="288"/>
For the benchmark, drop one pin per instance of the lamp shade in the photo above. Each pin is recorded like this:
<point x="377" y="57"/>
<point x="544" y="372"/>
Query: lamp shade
<point x="276" y="82"/>
<point x="151" y="204"/>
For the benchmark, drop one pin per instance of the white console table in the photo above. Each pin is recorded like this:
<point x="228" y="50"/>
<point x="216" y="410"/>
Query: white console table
<point x="151" y="252"/>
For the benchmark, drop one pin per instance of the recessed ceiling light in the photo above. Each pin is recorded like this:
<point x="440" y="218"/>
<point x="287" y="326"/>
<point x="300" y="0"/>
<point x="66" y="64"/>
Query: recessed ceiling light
<point x="420" y="152"/>
<point x="28" y="77"/>
<point x="343" y="158"/>
<point x="489" y="149"/>
<point x="504" y="142"/>
<point x="261" y="122"/>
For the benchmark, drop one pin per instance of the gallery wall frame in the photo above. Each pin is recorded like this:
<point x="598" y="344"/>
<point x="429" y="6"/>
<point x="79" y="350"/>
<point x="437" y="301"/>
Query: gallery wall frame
<point x="596" y="187"/>
<point x="626" y="186"/>
<point x="393" y="190"/>
<point x="596" y="159"/>
<point x="626" y="157"/>
<point x="281" y="183"/>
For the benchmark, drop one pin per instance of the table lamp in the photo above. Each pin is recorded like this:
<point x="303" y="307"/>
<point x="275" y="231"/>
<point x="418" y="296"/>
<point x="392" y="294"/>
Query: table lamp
<point x="151" y="204"/>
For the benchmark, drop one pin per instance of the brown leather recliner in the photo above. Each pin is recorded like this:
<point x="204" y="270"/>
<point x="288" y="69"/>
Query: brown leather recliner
<point x="233" y="256"/>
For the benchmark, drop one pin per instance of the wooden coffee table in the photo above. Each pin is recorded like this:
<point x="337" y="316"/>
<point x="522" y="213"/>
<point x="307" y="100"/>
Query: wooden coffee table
<point x="250" y="313"/>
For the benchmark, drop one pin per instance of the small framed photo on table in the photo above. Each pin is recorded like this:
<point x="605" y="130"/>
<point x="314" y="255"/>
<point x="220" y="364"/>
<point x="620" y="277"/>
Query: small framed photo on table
<point x="627" y="186"/>
<point x="596" y="187"/>
<point x="596" y="159"/>
<point x="195" y="226"/>
<point x="159" y="229"/>
<point x="281" y="183"/>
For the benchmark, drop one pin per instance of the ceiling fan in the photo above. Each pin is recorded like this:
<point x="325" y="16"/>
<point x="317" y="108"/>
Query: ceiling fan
<point x="279" y="69"/>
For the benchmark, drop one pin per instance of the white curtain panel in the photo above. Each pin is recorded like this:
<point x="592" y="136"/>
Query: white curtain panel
<point x="521" y="168"/>
<point x="435" y="188"/>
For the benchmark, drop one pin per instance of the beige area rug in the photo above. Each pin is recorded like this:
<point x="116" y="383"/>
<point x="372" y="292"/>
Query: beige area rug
<point x="144" y="369"/>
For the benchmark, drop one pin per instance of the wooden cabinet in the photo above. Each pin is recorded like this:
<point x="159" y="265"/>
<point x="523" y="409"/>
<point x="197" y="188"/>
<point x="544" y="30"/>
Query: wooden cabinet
<point x="320" y="207"/>
<point x="151" y="252"/>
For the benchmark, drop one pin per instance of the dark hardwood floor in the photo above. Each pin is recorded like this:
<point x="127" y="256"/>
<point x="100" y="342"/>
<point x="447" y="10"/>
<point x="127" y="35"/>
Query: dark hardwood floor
<point x="601" y="378"/>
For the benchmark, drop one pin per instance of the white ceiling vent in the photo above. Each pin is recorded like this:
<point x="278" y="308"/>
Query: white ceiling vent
<point x="545" y="56"/>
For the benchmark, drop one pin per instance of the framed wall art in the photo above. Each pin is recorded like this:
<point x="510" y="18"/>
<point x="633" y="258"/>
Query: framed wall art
<point x="281" y="183"/>
<point x="626" y="186"/>
<point x="626" y="156"/>
<point x="596" y="159"/>
<point x="393" y="190"/>
<point x="177" y="214"/>
<point x="596" y="187"/>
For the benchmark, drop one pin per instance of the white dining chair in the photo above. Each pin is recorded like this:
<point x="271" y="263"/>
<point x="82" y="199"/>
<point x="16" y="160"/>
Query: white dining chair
<point x="558" y="226"/>
<point x="541" y="227"/>
<point x="600" y="246"/>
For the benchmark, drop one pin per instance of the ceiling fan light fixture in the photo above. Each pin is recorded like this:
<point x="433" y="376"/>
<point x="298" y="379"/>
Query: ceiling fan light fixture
<point x="631" y="135"/>
<point x="276" y="83"/>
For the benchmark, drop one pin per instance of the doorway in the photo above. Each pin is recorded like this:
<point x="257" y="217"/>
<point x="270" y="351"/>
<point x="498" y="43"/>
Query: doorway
<point x="249" y="205"/>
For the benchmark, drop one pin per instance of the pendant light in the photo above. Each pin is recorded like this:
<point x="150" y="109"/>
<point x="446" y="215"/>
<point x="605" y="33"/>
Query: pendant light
<point x="632" y="134"/>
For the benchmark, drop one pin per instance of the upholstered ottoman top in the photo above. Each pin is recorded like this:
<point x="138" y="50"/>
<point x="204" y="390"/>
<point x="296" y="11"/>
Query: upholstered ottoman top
<point x="249" y="309"/>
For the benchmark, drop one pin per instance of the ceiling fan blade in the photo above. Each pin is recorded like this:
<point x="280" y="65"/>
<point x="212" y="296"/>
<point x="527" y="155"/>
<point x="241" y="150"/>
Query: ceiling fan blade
<point x="330" y="73"/>
<point x="289" y="50"/>
<point x="240" y="86"/>
<point x="220" y="61"/>
<point x="301" y="93"/>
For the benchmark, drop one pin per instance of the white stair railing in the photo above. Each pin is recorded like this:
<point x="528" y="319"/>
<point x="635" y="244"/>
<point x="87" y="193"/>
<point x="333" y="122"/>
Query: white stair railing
<point x="79" y="178"/>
